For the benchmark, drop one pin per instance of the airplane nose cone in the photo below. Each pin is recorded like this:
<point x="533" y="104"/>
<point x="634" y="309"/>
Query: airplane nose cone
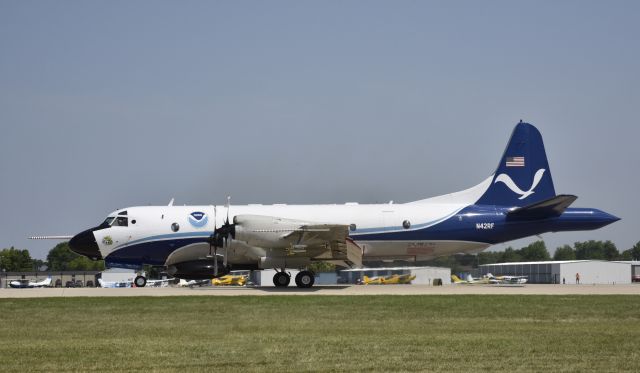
<point x="84" y="243"/>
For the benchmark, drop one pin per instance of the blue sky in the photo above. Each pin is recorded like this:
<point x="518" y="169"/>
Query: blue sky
<point x="112" y="104"/>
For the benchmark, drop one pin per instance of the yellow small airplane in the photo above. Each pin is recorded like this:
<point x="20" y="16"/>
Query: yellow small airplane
<point x="389" y="280"/>
<point x="366" y="280"/>
<point x="238" y="280"/>
<point x="470" y="280"/>
<point x="398" y="279"/>
<point x="406" y="279"/>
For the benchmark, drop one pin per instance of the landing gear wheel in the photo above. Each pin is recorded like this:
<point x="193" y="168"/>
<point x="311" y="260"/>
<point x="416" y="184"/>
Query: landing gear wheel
<point x="140" y="281"/>
<point x="305" y="279"/>
<point x="281" y="279"/>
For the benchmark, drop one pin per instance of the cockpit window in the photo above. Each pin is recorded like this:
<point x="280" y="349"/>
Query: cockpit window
<point x="120" y="221"/>
<point x="107" y="221"/>
<point x="123" y="213"/>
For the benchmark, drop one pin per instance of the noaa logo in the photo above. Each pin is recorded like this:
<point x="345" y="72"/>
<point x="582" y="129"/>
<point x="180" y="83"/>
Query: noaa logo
<point x="107" y="240"/>
<point x="198" y="219"/>
<point x="506" y="179"/>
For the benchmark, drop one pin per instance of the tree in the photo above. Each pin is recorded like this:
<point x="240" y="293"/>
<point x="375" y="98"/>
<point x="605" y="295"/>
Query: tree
<point x="611" y="251"/>
<point x="632" y="253"/>
<point x="565" y="252"/>
<point x="61" y="258"/>
<point x="510" y="255"/>
<point x="15" y="260"/>
<point x="535" y="252"/>
<point x="317" y="267"/>
<point x="489" y="257"/>
<point x="82" y="263"/>
<point x="596" y="250"/>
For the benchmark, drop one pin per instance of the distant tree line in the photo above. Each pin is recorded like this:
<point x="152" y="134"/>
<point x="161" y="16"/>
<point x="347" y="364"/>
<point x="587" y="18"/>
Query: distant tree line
<point x="537" y="251"/>
<point x="60" y="258"/>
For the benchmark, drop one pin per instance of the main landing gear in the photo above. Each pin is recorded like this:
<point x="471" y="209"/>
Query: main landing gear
<point x="304" y="279"/>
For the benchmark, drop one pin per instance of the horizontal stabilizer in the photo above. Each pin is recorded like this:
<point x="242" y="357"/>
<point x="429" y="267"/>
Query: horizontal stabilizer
<point x="549" y="208"/>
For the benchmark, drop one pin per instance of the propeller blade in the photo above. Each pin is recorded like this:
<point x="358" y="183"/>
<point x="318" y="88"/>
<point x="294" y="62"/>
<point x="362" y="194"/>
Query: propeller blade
<point x="228" y="208"/>
<point x="226" y="251"/>
<point x="215" y="262"/>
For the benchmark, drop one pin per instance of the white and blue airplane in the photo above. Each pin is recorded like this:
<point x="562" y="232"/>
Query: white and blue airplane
<point x="194" y="242"/>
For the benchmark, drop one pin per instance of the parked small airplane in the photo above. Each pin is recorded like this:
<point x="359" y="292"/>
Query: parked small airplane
<point x="470" y="280"/>
<point x="406" y="279"/>
<point x="366" y="280"/>
<point x="128" y="284"/>
<point x="388" y="280"/>
<point x="24" y="283"/>
<point x="238" y="280"/>
<point x="398" y="279"/>
<point x="507" y="279"/>
<point x="194" y="242"/>
<point x="192" y="283"/>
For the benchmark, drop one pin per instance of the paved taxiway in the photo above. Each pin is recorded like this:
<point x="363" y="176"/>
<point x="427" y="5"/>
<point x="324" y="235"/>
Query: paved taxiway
<point x="633" y="289"/>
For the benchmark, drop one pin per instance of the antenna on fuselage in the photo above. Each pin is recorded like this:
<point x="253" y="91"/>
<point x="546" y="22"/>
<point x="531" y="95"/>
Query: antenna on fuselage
<point x="170" y="202"/>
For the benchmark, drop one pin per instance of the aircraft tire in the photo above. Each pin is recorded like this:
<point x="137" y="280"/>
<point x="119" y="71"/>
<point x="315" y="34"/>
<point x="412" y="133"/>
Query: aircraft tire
<point x="140" y="281"/>
<point x="281" y="279"/>
<point x="305" y="279"/>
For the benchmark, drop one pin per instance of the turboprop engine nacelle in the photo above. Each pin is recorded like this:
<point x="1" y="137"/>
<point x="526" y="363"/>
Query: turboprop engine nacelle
<point x="196" y="269"/>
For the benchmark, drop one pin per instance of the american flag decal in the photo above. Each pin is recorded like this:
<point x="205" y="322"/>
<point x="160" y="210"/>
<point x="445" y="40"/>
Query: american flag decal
<point x="515" y="162"/>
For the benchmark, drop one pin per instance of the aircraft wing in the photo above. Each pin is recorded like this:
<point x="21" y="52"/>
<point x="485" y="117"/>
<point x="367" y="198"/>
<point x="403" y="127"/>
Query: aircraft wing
<point x="334" y="238"/>
<point x="288" y="237"/>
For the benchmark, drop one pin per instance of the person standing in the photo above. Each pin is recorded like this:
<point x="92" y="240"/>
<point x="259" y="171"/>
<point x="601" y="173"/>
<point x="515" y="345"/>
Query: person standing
<point x="577" y="278"/>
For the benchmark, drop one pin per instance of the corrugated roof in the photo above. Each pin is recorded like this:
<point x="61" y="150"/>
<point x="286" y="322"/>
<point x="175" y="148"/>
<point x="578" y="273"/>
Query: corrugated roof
<point x="390" y="269"/>
<point x="552" y="262"/>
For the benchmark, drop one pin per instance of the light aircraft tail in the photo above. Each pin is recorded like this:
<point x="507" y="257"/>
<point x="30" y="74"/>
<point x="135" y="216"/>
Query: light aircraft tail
<point x="523" y="176"/>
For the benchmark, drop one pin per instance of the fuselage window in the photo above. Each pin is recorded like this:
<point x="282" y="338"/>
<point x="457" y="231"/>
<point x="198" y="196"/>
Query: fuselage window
<point x="120" y="222"/>
<point x="133" y="221"/>
<point x="175" y="227"/>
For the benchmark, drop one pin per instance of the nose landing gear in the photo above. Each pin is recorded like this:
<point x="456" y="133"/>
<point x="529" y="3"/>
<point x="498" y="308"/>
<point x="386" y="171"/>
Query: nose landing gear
<point x="140" y="281"/>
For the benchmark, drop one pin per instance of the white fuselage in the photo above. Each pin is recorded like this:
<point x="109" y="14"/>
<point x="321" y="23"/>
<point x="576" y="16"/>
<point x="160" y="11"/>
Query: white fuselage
<point x="154" y="223"/>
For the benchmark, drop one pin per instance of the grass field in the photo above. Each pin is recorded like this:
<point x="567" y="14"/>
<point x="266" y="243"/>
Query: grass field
<point x="361" y="333"/>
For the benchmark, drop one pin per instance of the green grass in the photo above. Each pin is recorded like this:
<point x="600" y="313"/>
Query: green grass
<point x="316" y="333"/>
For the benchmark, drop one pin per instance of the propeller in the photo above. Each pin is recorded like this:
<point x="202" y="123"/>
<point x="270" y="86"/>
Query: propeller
<point x="221" y="238"/>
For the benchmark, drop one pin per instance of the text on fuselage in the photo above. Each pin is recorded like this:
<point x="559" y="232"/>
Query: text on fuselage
<point x="484" y="225"/>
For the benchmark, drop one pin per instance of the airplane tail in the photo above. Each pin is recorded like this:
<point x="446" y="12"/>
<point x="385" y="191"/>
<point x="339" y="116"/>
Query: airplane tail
<point x="523" y="176"/>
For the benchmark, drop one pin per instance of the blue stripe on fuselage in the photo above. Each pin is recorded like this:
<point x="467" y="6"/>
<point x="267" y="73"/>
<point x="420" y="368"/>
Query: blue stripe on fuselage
<point x="148" y="251"/>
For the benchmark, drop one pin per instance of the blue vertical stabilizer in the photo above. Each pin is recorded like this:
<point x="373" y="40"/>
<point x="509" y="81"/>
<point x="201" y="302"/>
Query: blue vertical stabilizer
<point x="523" y="176"/>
